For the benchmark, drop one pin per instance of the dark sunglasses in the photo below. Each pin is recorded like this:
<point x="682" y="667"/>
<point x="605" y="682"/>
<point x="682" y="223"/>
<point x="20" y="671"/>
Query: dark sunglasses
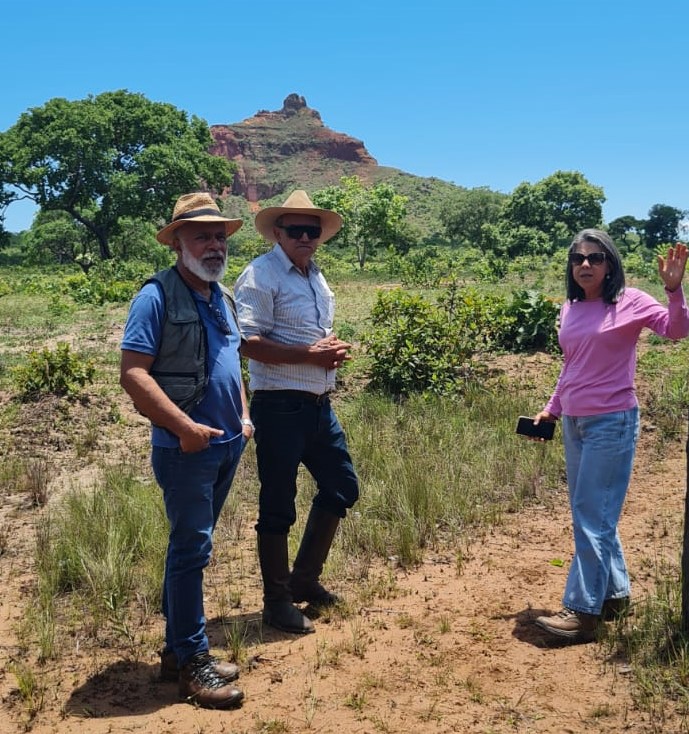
<point x="220" y="319"/>
<point x="594" y="258"/>
<point x="297" y="231"/>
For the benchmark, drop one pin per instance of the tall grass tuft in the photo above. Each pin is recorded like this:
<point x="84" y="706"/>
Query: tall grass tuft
<point x="433" y="468"/>
<point x="656" y="648"/>
<point x="108" y="544"/>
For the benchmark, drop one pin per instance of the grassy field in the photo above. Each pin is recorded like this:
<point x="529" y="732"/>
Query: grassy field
<point x="435" y="473"/>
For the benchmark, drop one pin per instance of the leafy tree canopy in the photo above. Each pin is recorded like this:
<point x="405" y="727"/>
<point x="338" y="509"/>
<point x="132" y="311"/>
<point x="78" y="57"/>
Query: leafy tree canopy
<point x="372" y="216"/>
<point x="561" y="204"/>
<point x="662" y="225"/>
<point x="108" y="157"/>
<point x="465" y="215"/>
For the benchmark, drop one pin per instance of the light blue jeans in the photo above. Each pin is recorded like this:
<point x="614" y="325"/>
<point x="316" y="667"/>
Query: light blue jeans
<point x="599" y="453"/>
<point x="195" y="487"/>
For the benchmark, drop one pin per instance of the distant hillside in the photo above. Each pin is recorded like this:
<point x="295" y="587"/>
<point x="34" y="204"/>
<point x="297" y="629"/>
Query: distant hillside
<point x="276" y="152"/>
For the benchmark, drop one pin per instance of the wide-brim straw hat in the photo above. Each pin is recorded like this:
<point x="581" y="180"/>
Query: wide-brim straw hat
<point x="298" y="202"/>
<point x="196" y="207"/>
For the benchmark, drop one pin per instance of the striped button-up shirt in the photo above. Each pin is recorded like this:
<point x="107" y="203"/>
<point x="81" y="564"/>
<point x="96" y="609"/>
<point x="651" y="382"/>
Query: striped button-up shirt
<point x="276" y="300"/>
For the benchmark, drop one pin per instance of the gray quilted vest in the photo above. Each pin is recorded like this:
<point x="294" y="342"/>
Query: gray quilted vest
<point x="180" y="367"/>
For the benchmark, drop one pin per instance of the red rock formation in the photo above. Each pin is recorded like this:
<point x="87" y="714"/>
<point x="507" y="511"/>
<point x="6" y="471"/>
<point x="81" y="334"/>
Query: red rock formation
<point x="276" y="151"/>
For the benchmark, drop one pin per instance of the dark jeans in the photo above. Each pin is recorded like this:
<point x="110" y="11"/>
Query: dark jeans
<point x="195" y="487"/>
<point x="293" y="429"/>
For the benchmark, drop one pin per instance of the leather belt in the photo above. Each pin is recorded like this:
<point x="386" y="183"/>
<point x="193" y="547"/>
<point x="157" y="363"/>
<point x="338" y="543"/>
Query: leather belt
<point x="321" y="399"/>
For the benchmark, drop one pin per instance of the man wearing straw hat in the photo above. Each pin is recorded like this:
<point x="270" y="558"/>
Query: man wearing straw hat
<point x="285" y="310"/>
<point x="181" y="367"/>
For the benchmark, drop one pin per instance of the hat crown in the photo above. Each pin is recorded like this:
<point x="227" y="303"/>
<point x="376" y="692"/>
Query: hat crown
<point x="298" y="199"/>
<point x="191" y="202"/>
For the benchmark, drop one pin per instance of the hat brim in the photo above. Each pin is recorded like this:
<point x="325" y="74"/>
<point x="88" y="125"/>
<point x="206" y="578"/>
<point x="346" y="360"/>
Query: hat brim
<point x="166" y="235"/>
<point x="331" y="222"/>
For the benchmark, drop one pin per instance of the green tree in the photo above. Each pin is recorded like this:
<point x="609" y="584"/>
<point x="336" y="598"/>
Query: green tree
<point x="620" y="228"/>
<point x="372" y="217"/>
<point x="465" y="214"/>
<point x="56" y="237"/>
<point x="559" y="205"/>
<point x="107" y="157"/>
<point x="662" y="225"/>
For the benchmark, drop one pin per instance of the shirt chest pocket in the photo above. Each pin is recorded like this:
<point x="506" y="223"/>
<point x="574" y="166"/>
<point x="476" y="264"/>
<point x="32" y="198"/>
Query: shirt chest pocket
<point x="325" y="304"/>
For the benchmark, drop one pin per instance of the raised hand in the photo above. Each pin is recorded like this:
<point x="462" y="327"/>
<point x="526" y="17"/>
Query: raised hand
<point x="671" y="269"/>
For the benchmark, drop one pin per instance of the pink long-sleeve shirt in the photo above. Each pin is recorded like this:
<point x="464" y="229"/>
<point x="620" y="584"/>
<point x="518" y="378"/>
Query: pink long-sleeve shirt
<point x="599" y="345"/>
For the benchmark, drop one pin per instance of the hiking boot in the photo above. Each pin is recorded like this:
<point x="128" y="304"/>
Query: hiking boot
<point x="614" y="609"/>
<point x="571" y="625"/>
<point x="201" y="685"/>
<point x="169" y="671"/>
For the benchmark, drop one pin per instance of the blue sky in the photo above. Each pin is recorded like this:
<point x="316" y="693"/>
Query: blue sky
<point x="490" y="93"/>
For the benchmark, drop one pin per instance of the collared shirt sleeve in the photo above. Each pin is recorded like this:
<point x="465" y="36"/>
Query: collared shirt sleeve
<point x="255" y="299"/>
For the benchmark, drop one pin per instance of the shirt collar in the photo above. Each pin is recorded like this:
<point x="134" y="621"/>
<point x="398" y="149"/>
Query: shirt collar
<point x="287" y="264"/>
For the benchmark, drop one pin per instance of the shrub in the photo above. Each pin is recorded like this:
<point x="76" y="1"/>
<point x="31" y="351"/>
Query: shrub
<point x="109" y="281"/>
<point x="58" y="372"/>
<point x="532" y="319"/>
<point x="417" y="346"/>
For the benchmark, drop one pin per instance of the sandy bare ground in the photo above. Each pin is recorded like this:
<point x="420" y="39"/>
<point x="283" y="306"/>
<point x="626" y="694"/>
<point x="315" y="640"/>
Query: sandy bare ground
<point x="447" y="647"/>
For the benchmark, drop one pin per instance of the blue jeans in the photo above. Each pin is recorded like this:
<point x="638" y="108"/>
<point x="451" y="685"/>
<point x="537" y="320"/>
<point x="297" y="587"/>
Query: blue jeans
<point x="290" y="430"/>
<point x="195" y="487"/>
<point x="599" y="453"/>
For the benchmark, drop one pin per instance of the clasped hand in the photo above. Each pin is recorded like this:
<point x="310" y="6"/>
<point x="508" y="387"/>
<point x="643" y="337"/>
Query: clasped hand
<point x="330" y="352"/>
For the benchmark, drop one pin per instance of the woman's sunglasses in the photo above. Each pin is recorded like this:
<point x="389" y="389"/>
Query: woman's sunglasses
<point x="594" y="258"/>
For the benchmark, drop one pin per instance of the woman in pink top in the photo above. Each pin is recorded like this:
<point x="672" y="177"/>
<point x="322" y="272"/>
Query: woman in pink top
<point x="600" y="324"/>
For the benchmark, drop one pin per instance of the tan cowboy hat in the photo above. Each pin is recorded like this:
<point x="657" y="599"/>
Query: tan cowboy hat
<point x="298" y="202"/>
<point x="196" y="207"/>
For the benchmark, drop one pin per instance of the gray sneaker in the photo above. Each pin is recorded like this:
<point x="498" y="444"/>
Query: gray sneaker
<point x="571" y="625"/>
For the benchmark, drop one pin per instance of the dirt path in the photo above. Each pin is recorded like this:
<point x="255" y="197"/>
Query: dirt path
<point x="440" y="649"/>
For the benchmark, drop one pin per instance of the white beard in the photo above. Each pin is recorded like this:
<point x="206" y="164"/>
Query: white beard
<point x="208" y="270"/>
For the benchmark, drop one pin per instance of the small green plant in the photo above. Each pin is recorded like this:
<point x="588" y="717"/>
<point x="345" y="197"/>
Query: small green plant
<point x="31" y="689"/>
<point x="534" y="317"/>
<point x="59" y="372"/>
<point x="356" y="700"/>
<point x="236" y="635"/>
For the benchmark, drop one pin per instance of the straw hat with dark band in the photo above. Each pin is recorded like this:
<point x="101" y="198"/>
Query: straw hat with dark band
<point x="196" y="207"/>
<point x="298" y="202"/>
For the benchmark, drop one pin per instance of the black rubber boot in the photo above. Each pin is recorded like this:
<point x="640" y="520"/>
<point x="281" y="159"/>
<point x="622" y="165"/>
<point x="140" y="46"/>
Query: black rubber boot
<point x="308" y="565"/>
<point x="278" y="610"/>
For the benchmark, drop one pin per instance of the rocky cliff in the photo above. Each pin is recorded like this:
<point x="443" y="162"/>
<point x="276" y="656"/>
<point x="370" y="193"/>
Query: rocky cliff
<point x="289" y="148"/>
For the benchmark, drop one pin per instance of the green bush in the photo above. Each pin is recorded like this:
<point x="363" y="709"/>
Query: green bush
<point x="58" y="372"/>
<point x="109" y="281"/>
<point x="417" y="346"/>
<point x="530" y="320"/>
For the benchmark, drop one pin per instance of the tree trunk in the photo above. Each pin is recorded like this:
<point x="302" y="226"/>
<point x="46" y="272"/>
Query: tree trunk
<point x="685" y="553"/>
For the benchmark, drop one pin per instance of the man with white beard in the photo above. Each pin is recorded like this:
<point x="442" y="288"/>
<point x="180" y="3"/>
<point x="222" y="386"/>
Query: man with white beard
<point x="181" y="367"/>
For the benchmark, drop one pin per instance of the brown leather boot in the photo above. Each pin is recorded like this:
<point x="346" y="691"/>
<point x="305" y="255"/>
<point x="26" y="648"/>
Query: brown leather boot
<point x="308" y="565"/>
<point x="169" y="670"/>
<point x="201" y="685"/>
<point x="278" y="610"/>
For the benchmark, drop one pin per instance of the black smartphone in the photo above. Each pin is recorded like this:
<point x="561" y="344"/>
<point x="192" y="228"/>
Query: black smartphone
<point x="544" y="430"/>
